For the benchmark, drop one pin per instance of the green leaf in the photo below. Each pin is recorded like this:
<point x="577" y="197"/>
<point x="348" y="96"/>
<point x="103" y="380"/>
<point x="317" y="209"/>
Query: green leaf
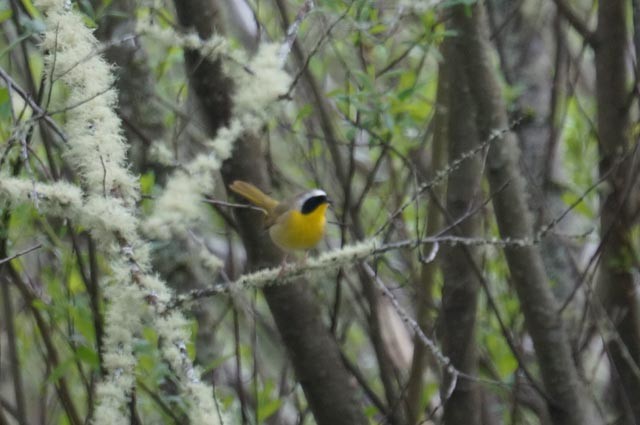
<point x="304" y="112"/>
<point x="31" y="10"/>
<point x="5" y="15"/>
<point x="61" y="370"/>
<point x="217" y="362"/>
<point x="267" y="409"/>
<point x="370" y="411"/>
<point x="5" y="104"/>
<point x="377" y="29"/>
<point x="147" y="182"/>
<point x="40" y="305"/>
<point x="89" y="356"/>
<point x="406" y="93"/>
<point x="569" y="198"/>
<point x="504" y="360"/>
<point x="75" y="282"/>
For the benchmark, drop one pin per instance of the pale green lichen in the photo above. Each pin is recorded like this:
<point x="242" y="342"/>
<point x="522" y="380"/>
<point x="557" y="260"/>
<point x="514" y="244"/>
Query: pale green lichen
<point x="200" y="394"/>
<point x="346" y="254"/>
<point x="121" y="324"/>
<point x="211" y="48"/>
<point x="258" y="91"/>
<point x="209" y="262"/>
<point x="156" y="289"/>
<point x="111" y="409"/>
<point x="160" y="153"/>
<point x="419" y="6"/>
<point x="107" y="218"/>
<point x="180" y="208"/>
<point x="58" y="199"/>
<point x="177" y="210"/>
<point x="96" y="147"/>
<point x="326" y="261"/>
<point x="97" y="151"/>
<point x="201" y="169"/>
<point x="222" y="145"/>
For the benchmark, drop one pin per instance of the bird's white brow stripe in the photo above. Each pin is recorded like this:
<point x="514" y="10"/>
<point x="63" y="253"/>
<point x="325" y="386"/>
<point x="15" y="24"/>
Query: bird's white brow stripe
<point x="310" y="194"/>
<point x="313" y="193"/>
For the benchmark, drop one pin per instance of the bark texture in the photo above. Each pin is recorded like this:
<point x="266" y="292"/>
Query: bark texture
<point x="460" y="290"/>
<point x="312" y="349"/>
<point x="136" y="83"/>
<point x="568" y="404"/>
<point x="212" y="88"/>
<point x="527" y="49"/>
<point x="616" y="286"/>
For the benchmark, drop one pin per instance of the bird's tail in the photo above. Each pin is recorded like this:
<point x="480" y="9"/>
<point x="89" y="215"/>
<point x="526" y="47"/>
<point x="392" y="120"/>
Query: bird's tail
<point x="254" y="195"/>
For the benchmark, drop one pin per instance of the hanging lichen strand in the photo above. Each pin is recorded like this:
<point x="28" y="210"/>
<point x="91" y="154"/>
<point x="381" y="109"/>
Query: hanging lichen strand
<point x="97" y="152"/>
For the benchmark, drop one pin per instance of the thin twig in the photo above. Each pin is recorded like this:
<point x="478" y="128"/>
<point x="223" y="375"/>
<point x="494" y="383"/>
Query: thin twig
<point x="41" y="113"/>
<point x="233" y="205"/>
<point x="415" y="328"/>
<point x="51" y="353"/>
<point x="100" y="51"/>
<point x="21" y="253"/>
<point x="83" y="101"/>
<point x="577" y="23"/>
<point x="442" y="174"/>
<point x="313" y="51"/>
<point x="336" y="258"/>
<point x="292" y="32"/>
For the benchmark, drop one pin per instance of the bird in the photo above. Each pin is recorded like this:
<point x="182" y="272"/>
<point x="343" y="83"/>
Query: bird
<point x="295" y="224"/>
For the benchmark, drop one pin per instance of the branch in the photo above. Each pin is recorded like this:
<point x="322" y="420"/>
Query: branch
<point x="415" y="328"/>
<point x="569" y="401"/>
<point x="41" y="113"/>
<point x="441" y="175"/>
<point x="576" y="22"/>
<point x="52" y="356"/>
<point x="331" y="260"/>
<point x="21" y="253"/>
<point x="292" y="32"/>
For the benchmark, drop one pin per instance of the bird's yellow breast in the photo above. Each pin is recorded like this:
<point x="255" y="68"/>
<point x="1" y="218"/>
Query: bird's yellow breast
<point x="294" y="230"/>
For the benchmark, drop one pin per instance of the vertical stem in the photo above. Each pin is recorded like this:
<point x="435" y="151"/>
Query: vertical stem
<point x="616" y="283"/>
<point x="14" y="361"/>
<point x="425" y="286"/>
<point x="461" y="285"/>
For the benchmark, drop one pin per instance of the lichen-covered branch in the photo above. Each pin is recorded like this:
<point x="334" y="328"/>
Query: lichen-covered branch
<point x="97" y="152"/>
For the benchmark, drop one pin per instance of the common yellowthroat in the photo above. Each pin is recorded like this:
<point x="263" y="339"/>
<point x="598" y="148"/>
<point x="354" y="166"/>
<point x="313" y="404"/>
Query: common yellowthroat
<point x="295" y="224"/>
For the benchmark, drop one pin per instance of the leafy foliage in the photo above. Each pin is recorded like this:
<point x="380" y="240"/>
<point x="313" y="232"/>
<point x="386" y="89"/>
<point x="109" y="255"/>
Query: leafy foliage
<point x="357" y="119"/>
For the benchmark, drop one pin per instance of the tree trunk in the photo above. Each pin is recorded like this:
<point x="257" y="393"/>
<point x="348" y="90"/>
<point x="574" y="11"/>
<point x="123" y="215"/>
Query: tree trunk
<point x="568" y="403"/>
<point x="311" y="347"/>
<point x="136" y="83"/>
<point x="526" y="49"/>
<point x="460" y="290"/>
<point x="616" y="286"/>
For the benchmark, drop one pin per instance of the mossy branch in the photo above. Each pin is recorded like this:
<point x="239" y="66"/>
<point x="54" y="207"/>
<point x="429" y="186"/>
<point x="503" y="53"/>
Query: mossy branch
<point x="97" y="151"/>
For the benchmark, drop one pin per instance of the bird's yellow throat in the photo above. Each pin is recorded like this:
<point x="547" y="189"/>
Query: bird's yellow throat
<point x="299" y="231"/>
